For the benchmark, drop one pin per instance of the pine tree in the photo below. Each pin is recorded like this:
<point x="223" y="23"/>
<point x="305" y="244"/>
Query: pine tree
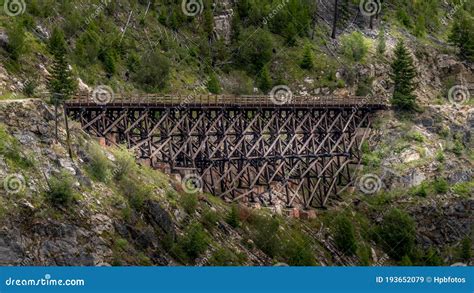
<point x="307" y="62"/>
<point x="462" y="35"/>
<point x="403" y="74"/>
<point x="61" y="82"/>
<point x="233" y="218"/>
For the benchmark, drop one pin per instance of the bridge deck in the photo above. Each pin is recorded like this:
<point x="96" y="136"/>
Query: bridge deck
<point x="219" y="101"/>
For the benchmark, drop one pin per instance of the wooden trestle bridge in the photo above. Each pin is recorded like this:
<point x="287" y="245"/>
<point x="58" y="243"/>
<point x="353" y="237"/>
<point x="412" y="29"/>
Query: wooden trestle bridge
<point x="303" y="151"/>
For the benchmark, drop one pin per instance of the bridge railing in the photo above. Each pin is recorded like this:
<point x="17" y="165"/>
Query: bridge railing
<point x="217" y="100"/>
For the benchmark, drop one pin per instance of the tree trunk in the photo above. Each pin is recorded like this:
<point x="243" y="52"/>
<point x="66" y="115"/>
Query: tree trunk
<point x="334" y="22"/>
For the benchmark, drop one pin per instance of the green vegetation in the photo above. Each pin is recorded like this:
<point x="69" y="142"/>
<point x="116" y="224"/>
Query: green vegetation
<point x="440" y="185"/>
<point x="233" y="218"/>
<point x="60" y="191"/>
<point x="403" y="73"/>
<point x="307" y="61"/>
<point x="381" y="42"/>
<point x="99" y="165"/>
<point x="124" y="163"/>
<point x="466" y="249"/>
<point x="11" y="150"/>
<point x="192" y="244"/>
<point x="462" y="35"/>
<point x="189" y="202"/>
<point x="354" y="47"/>
<point x="344" y="235"/>
<point x="397" y="234"/>
<point x="226" y="257"/>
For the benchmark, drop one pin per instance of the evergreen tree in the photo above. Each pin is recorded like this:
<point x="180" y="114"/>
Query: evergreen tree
<point x="61" y="83"/>
<point x="462" y="35"/>
<point x="403" y="73"/>
<point x="265" y="80"/>
<point x="307" y="62"/>
<point x="213" y="85"/>
<point x="233" y="218"/>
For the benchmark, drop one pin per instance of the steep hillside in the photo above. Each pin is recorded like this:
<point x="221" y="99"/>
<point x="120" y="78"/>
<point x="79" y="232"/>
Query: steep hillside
<point x="412" y="204"/>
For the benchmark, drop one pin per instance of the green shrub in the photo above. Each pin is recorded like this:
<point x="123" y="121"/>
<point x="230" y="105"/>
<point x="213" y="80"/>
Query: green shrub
<point x="124" y="163"/>
<point x="466" y="249"/>
<point x="297" y="250"/>
<point x="440" y="156"/>
<point x="210" y="219"/>
<point x="189" y="202"/>
<point x="406" y="261"/>
<point x="29" y="88"/>
<point x="432" y="258"/>
<point x="265" y="234"/>
<point x="233" y="218"/>
<point x="194" y="242"/>
<point x="98" y="165"/>
<point x="397" y="234"/>
<point x="415" y="136"/>
<point x="226" y="257"/>
<point x="458" y="147"/>
<point x="344" y="235"/>
<point x="354" y="46"/>
<point x="135" y="191"/>
<point x="420" y="190"/>
<point x="154" y="72"/>
<point x="440" y="185"/>
<point x="16" y="41"/>
<point x="363" y="252"/>
<point x="463" y="188"/>
<point x="213" y="85"/>
<point x="60" y="191"/>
